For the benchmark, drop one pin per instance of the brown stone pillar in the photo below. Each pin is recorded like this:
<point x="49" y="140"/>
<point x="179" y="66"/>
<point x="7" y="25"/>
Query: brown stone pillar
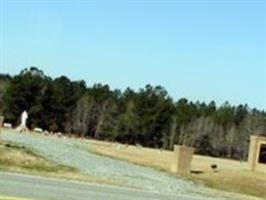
<point x="253" y="152"/>
<point x="182" y="159"/>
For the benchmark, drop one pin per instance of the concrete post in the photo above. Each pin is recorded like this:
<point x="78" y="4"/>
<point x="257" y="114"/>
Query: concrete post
<point x="182" y="159"/>
<point x="253" y="152"/>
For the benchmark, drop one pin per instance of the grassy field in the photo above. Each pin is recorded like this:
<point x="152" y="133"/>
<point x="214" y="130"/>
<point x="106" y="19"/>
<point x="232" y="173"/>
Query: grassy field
<point x="242" y="181"/>
<point x="14" y="157"/>
<point x="17" y="158"/>
<point x="232" y="176"/>
<point x="12" y="198"/>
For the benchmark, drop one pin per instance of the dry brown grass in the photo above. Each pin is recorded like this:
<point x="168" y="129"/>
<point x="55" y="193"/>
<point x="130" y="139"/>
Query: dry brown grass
<point x="232" y="176"/>
<point x="12" y="198"/>
<point x="242" y="181"/>
<point x="144" y="156"/>
<point x="16" y="156"/>
<point x="160" y="159"/>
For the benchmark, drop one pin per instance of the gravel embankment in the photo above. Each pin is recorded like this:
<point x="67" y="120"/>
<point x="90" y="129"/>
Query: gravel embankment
<point x="70" y="152"/>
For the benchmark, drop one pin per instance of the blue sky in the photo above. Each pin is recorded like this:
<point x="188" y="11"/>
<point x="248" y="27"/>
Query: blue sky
<point x="202" y="50"/>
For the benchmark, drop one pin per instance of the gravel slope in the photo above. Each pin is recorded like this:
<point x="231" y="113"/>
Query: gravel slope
<point x="70" y="152"/>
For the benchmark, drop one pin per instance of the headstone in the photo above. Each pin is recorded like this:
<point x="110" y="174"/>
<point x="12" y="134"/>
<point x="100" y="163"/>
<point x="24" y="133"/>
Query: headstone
<point x="46" y="132"/>
<point x="59" y="134"/>
<point x="7" y="125"/>
<point x="38" y="130"/>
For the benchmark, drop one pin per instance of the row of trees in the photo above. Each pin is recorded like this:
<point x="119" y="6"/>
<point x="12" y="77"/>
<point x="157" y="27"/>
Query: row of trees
<point x="148" y="117"/>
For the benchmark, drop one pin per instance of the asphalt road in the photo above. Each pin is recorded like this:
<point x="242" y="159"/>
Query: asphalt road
<point x="40" y="188"/>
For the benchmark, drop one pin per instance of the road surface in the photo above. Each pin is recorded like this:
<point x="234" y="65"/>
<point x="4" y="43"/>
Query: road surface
<point x="39" y="188"/>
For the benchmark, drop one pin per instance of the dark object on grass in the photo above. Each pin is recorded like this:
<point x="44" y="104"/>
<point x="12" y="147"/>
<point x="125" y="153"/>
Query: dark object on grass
<point x="196" y="171"/>
<point x="214" y="167"/>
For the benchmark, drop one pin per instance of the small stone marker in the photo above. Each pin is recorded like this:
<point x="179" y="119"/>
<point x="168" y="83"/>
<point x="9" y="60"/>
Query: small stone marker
<point x="38" y="130"/>
<point x="7" y="125"/>
<point x="59" y="134"/>
<point x="46" y="132"/>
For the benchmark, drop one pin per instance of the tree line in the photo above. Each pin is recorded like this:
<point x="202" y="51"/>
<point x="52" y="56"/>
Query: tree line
<point x="149" y="116"/>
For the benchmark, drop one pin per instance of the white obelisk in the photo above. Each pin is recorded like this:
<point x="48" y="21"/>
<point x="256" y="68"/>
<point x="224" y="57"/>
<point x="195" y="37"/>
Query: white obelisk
<point x="23" y="123"/>
<point x="24" y="117"/>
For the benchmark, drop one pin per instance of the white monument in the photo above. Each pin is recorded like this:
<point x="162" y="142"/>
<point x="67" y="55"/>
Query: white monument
<point x="24" y="117"/>
<point x="23" y="123"/>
